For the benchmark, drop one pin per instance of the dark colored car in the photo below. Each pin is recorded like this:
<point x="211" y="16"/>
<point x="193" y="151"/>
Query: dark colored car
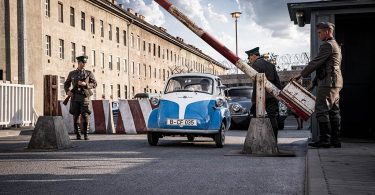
<point x="239" y="100"/>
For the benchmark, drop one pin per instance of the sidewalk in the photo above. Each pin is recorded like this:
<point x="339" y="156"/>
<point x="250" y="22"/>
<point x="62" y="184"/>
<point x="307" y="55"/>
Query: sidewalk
<point x="12" y="131"/>
<point x="346" y="170"/>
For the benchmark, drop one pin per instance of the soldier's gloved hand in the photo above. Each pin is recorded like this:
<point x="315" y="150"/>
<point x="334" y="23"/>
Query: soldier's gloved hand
<point x="82" y="83"/>
<point x="69" y="93"/>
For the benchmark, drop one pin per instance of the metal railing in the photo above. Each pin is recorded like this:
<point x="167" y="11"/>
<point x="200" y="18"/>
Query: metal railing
<point x="16" y="104"/>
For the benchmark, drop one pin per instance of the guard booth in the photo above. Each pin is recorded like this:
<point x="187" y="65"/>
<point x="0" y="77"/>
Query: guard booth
<point x="355" y="33"/>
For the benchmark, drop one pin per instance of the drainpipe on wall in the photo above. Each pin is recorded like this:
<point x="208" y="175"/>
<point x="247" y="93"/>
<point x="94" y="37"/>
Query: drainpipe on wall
<point x="22" y="40"/>
<point x="8" y="61"/>
<point x="128" y="27"/>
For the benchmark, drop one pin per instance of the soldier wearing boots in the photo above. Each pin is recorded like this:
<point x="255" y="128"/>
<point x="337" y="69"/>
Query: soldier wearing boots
<point x="82" y="81"/>
<point x="327" y="65"/>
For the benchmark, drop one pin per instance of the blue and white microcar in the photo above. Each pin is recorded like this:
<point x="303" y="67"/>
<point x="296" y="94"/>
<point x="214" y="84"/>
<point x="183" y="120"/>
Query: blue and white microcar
<point x="193" y="104"/>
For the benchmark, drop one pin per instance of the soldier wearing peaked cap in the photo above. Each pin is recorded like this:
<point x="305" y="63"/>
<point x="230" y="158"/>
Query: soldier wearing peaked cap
<point x="82" y="81"/>
<point x="327" y="65"/>
<point x="272" y="104"/>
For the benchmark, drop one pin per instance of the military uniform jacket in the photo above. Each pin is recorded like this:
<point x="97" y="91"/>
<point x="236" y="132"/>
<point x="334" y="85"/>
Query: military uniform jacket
<point x="327" y="65"/>
<point x="80" y="92"/>
<point x="262" y="66"/>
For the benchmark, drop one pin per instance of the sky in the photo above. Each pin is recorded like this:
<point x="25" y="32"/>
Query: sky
<point x="263" y="23"/>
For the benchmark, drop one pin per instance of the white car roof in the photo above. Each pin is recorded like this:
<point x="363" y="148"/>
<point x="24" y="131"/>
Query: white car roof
<point x="196" y="74"/>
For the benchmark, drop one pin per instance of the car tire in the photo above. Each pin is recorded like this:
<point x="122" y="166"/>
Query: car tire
<point x="220" y="137"/>
<point x="190" y="138"/>
<point x="152" y="138"/>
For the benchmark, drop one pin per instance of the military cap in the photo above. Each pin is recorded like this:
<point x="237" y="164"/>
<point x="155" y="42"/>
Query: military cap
<point x="325" y="25"/>
<point x="252" y="51"/>
<point x="82" y="59"/>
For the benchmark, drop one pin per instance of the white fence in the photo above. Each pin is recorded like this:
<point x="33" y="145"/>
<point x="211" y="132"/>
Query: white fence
<point x="16" y="104"/>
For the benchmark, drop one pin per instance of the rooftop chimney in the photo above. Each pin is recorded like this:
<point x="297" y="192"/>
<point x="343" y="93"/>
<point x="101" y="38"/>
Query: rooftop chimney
<point x="130" y="10"/>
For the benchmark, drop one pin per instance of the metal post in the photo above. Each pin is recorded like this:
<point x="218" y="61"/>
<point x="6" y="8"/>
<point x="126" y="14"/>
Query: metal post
<point x="236" y="45"/>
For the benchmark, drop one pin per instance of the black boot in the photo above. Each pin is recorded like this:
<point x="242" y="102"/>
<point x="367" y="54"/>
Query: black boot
<point x="324" y="129"/>
<point x="77" y="131"/>
<point x="85" y="131"/>
<point x="335" y="133"/>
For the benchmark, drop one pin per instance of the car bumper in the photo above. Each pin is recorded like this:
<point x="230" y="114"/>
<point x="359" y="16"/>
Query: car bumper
<point x="182" y="131"/>
<point x="240" y="118"/>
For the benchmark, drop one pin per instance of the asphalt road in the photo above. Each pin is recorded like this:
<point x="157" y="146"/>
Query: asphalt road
<point x="126" y="164"/>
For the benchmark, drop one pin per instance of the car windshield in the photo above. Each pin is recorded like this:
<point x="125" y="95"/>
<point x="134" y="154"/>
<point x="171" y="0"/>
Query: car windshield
<point x="193" y="84"/>
<point x="245" y="92"/>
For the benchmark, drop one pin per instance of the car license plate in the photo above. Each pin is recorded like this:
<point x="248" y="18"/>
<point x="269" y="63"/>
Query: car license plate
<point x="182" y="122"/>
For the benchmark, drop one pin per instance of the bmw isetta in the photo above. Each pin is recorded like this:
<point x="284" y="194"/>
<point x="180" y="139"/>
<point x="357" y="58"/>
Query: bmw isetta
<point x="192" y="105"/>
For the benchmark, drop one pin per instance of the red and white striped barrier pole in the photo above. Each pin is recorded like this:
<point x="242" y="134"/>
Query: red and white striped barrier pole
<point x="298" y="105"/>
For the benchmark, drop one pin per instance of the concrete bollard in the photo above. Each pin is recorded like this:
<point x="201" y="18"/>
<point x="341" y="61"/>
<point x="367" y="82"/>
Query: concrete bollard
<point x="50" y="133"/>
<point x="260" y="138"/>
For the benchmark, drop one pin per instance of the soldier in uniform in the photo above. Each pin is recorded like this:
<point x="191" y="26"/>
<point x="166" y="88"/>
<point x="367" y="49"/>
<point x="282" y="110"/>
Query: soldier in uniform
<point x="82" y="81"/>
<point x="272" y="104"/>
<point x="329" y="80"/>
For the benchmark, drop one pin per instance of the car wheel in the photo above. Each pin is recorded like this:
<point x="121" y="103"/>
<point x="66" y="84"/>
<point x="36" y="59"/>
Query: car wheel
<point x="220" y="137"/>
<point x="190" y="138"/>
<point x="152" y="138"/>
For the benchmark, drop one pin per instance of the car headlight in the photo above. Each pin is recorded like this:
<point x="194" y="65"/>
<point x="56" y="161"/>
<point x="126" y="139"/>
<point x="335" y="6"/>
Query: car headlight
<point x="219" y="102"/>
<point x="155" y="101"/>
<point x="236" y="107"/>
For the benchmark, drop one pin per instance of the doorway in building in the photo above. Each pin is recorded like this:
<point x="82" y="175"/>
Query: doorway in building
<point x="355" y="34"/>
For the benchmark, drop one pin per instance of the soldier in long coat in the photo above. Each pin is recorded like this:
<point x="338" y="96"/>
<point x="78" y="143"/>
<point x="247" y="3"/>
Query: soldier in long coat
<point x="272" y="104"/>
<point x="327" y="65"/>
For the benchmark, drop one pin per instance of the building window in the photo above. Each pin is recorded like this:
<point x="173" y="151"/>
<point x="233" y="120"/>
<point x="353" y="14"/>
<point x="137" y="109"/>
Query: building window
<point x="111" y="92"/>
<point x="72" y="17"/>
<point x="132" y="40"/>
<point x="155" y="73"/>
<point x="163" y="74"/>
<point x="117" y="35"/>
<point x="110" y="62"/>
<point x="149" y="47"/>
<point x="154" y="49"/>
<point x="48" y="45"/>
<point x="101" y="28"/>
<point x="159" y="73"/>
<point x="103" y="91"/>
<point x="149" y="67"/>
<point x="102" y="59"/>
<point x="125" y="64"/>
<point x="167" y="54"/>
<point x="47" y="7"/>
<point x="83" y="21"/>
<point x="132" y="91"/>
<point x="110" y="31"/>
<point x="145" y="67"/>
<point x="92" y="24"/>
<point x="61" y="49"/>
<point x="118" y="64"/>
<point x="83" y="50"/>
<point x="144" y="45"/>
<point x="93" y="58"/>
<point x="159" y="51"/>
<point x="124" y="36"/>
<point x="60" y="12"/>
<point x="126" y="91"/>
<point x="138" y="42"/>
<point x="139" y="68"/>
<point x="118" y="91"/>
<point x="163" y="54"/>
<point x="73" y="52"/>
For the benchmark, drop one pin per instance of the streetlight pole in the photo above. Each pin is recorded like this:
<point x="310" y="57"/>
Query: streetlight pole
<point x="236" y="15"/>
